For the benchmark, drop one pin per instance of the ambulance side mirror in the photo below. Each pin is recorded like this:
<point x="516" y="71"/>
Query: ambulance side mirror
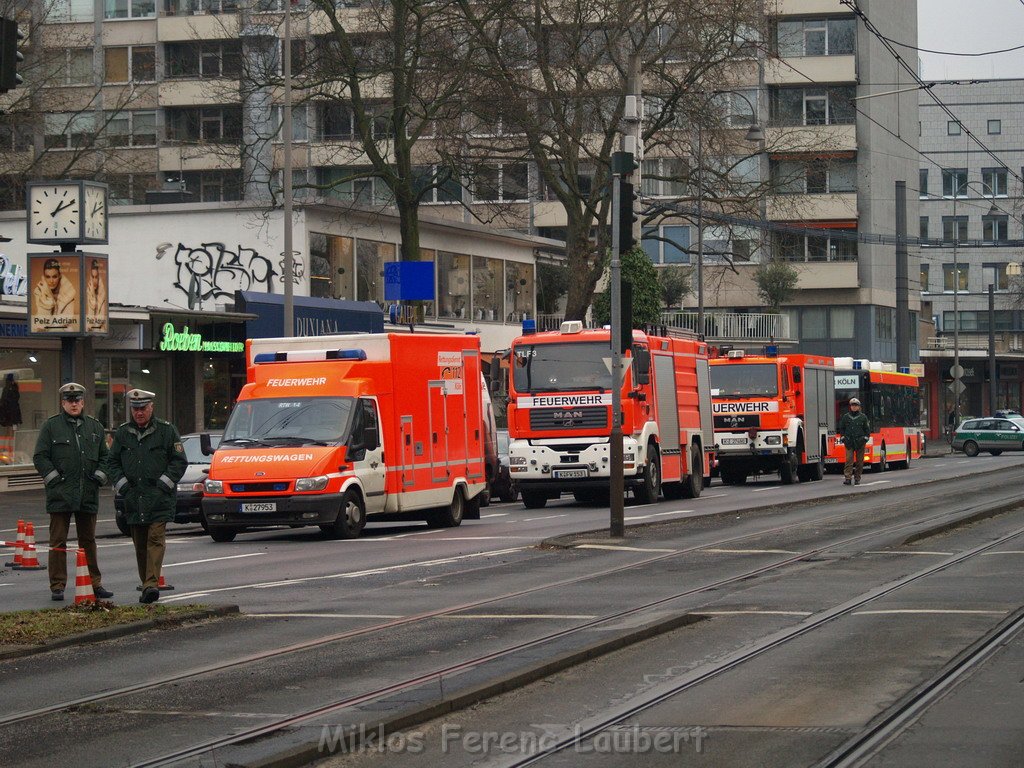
<point x="370" y="441"/>
<point x="205" y="445"/>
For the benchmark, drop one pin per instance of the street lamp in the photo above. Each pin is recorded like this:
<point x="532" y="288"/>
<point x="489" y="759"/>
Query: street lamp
<point x="754" y="134"/>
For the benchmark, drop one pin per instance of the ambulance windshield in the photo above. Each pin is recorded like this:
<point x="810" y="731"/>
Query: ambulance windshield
<point x="288" y="421"/>
<point x="744" y="380"/>
<point x="562" y="367"/>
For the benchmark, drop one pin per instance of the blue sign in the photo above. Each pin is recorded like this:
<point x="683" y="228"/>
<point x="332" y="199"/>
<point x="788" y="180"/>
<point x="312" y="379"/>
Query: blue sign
<point x="312" y="317"/>
<point x="409" y="281"/>
<point x="13" y="329"/>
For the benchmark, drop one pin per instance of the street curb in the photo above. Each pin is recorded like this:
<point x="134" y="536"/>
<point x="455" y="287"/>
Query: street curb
<point x="600" y="535"/>
<point x="118" y="630"/>
<point x="954" y="524"/>
<point x="304" y="744"/>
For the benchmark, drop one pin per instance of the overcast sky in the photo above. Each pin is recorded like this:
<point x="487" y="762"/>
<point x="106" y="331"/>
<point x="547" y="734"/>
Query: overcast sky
<point x="970" y="26"/>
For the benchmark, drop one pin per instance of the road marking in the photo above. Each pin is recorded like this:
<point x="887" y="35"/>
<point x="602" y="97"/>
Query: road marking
<point x="624" y="549"/>
<point x="874" y="482"/>
<point x="7" y="585"/>
<point x="908" y="552"/>
<point x="344" y="574"/>
<point x="486" y="538"/>
<point x="39" y="526"/>
<point x="941" y="465"/>
<point x="516" y="616"/>
<point x="496" y="514"/>
<point x="1002" y="552"/>
<point x="927" y="610"/>
<point x="773" y="488"/>
<point x="324" y="615"/>
<point x="213" y="559"/>
<point x="548" y="517"/>
<point x="715" y="495"/>
<point x="750" y="551"/>
<point x="659" y="514"/>
<point x="751" y="613"/>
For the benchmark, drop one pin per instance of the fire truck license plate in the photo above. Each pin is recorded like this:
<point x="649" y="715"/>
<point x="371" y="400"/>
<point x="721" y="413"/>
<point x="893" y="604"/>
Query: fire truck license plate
<point x="260" y="506"/>
<point x="734" y="441"/>
<point x="570" y="474"/>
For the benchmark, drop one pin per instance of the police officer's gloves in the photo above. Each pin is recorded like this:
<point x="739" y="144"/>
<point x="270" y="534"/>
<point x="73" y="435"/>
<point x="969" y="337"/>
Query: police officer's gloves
<point x="99" y="477"/>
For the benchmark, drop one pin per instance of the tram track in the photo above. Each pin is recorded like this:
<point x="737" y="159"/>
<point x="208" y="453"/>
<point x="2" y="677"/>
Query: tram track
<point x="313" y="714"/>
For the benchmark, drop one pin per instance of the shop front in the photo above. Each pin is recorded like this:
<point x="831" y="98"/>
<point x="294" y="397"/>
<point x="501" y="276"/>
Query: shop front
<point x="975" y="397"/>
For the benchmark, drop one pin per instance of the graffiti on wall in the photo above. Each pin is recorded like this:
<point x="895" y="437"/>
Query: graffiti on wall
<point x="12" y="278"/>
<point x="213" y="270"/>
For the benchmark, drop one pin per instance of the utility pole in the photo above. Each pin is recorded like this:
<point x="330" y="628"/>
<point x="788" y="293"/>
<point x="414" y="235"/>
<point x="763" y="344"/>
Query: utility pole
<point x="993" y="378"/>
<point x="624" y="166"/>
<point x="286" y="128"/>
<point x="902" y="281"/>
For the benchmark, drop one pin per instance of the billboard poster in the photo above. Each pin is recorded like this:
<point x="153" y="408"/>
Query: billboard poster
<point x="55" y="301"/>
<point x="97" y="314"/>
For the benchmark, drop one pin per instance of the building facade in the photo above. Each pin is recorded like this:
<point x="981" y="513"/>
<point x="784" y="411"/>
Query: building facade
<point x="970" y="214"/>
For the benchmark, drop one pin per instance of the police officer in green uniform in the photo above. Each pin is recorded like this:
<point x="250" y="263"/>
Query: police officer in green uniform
<point x="145" y="464"/>
<point x="70" y="453"/>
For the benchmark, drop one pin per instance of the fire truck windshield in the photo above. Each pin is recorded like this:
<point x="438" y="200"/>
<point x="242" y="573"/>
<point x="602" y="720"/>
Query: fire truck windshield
<point x="288" y="421"/>
<point x="561" y="367"/>
<point x="744" y="380"/>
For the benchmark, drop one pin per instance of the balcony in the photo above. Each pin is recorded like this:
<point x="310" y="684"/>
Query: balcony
<point x="719" y="327"/>
<point x="809" y="7"/>
<point x="1006" y="342"/>
<point x="820" y="139"/>
<point x="811" y="69"/>
<point x="817" y="207"/>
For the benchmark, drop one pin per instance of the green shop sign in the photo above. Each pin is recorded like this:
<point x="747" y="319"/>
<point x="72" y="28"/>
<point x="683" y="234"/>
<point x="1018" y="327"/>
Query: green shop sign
<point x="173" y="341"/>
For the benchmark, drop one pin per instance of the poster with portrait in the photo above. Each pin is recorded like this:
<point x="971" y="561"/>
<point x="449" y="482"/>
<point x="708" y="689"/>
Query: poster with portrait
<point x="55" y="293"/>
<point x="95" y="279"/>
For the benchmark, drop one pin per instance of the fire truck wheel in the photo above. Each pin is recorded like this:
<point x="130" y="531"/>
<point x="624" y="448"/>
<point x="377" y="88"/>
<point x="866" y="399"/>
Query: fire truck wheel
<point x="883" y="461"/>
<point x="534" y="499"/>
<point x="450" y="516"/>
<point x="789" y="469"/>
<point x="351" y="518"/>
<point x="694" y="484"/>
<point x="223" y="535"/>
<point x="650" y="489"/>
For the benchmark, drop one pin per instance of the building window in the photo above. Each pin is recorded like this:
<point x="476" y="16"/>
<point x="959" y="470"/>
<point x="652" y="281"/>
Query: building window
<point x="76" y="67"/>
<point x="954" y="229"/>
<point x="15" y="136"/>
<point x="924" y="277"/>
<point x="70" y="11"/>
<point x="131" y="129"/>
<point x="814" y="323"/>
<point x="504" y="183"/>
<point x="813" y="106"/>
<point x="371" y="256"/>
<point x="953" y="128"/>
<point x="664" y="177"/>
<point x="993" y="181"/>
<point x="923" y="233"/>
<point x="667" y="244"/>
<point x="130" y="9"/>
<point x="814" y="177"/>
<point x="885" y="323"/>
<point x="213" y="186"/>
<point x="816" y="37"/>
<point x="995" y="127"/>
<point x="519" y="290"/>
<point x="207" y="60"/>
<point x="842" y="321"/>
<point x="977" y="320"/>
<point x="994" y="228"/>
<point x="300" y="128"/>
<point x="205" y="124"/>
<point x="792" y="247"/>
<point x="330" y="266"/>
<point x="954" y="182"/>
<point x="354" y="184"/>
<point x="69" y="130"/>
<point x="488" y="296"/>
<point x="129" y="64"/>
<point x="436" y="184"/>
<point x="922" y="183"/>
<point x="995" y="274"/>
<point x="949" y="283"/>
<point x="131" y="188"/>
<point x="453" y="285"/>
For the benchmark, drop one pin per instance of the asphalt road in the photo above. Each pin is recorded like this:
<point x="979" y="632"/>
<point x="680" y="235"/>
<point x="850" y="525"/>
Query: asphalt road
<point x="294" y="587"/>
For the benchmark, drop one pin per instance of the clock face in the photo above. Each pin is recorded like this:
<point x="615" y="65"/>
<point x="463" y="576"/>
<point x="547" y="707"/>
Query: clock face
<point x="55" y="211"/>
<point x="95" y="213"/>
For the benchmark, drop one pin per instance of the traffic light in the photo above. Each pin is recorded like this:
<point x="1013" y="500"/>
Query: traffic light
<point x="10" y="56"/>
<point x="627" y="216"/>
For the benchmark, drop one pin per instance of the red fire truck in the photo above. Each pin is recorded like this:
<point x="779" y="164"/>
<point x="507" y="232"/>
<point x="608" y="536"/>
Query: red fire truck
<point x="890" y="399"/>
<point x="772" y="414"/>
<point x="331" y="430"/>
<point x="559" y="415"/>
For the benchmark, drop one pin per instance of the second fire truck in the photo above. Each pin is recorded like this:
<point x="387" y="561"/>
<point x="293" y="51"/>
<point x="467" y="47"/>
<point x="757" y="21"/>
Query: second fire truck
<point x="560" y="410"/>
<point x="773" y="413"/>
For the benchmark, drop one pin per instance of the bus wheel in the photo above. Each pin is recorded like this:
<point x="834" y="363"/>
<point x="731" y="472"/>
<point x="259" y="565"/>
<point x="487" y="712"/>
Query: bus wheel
<point x="534" y="499"/>
<point x="649" y="491"/>
<point x="694" y="484"/>
<point x="883" y="461"/>
<point x="351" y="518"/>
<point x="905" y="464"/>
<point x="450" y="516"/>
<point x="789" y="469"/>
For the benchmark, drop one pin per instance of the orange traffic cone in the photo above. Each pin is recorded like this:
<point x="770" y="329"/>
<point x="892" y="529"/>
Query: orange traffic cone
<point x="163" y="586"/>
<point x="83" y="581"/>
<point x="29" y="561"/>
<point x="19" y="545"/>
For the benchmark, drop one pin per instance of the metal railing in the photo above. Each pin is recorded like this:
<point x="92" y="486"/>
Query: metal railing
<point x="1006" y="341"/>
<point x="718" y="326"/>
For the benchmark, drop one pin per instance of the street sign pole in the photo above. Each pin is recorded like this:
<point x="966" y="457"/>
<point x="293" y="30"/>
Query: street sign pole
<point x="616" y="490"/>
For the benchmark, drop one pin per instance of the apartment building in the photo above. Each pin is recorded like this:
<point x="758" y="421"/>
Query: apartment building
<point x="970" y="209"/>
<point x="170" y="97"/>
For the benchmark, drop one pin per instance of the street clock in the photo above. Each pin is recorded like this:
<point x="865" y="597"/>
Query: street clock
<point x="67" y="212"/>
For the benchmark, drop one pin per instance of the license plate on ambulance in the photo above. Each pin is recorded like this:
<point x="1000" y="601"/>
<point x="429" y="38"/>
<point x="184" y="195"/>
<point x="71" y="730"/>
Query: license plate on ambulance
<point x="260" y="506"/>
<point x="570" y="474"/>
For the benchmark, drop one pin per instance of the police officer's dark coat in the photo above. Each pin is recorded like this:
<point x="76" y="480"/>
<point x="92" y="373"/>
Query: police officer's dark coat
<point x="70" y="455"/>
<point x="145" y="465"/>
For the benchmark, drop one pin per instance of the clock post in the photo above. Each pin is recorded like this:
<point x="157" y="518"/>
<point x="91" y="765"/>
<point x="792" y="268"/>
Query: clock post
<point x="70" y="287"/>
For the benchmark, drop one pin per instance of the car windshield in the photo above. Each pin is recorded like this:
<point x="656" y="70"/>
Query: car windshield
<point x="288" y="421"/>
<point x="744" y="380"/>
<point x="193" y="450"/>
<point x="562" y="367"/>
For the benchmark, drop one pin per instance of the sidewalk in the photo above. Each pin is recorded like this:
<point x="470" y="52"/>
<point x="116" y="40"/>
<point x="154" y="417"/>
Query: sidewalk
<point x="936" y="448"/>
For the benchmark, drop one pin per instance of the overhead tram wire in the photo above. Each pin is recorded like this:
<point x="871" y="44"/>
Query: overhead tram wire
<point x="870" y="27"/>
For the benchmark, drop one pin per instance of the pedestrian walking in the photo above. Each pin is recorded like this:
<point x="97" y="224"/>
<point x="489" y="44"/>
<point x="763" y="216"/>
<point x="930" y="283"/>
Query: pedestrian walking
<point x="145" y="464"/>
<point x="855" y="429"/>
<point x="71" y="452"/>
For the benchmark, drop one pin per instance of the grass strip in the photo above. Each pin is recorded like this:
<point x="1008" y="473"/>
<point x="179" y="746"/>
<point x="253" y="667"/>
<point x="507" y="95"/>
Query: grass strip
<point x="39" y="626"/>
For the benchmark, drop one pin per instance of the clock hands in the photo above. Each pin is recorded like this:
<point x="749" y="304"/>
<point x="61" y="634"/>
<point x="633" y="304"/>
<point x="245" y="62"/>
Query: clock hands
<point x="61" y="207"/>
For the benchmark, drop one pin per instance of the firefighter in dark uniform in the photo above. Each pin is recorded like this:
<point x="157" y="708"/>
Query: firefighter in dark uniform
<point x="70" y="453"/>
<point x="145" y="464"/>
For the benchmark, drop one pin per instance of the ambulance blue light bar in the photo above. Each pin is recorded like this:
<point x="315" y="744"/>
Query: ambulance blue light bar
<point x="309" y="355"/>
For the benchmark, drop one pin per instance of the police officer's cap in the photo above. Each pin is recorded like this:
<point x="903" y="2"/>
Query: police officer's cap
<point x="72" y="391"/>
<point x="140" y="398"/>
<point x="854" y="401"/>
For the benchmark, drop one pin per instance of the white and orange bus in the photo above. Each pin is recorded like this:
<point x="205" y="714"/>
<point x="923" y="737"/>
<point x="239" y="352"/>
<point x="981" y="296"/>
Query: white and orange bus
<point x="891" y="402"/>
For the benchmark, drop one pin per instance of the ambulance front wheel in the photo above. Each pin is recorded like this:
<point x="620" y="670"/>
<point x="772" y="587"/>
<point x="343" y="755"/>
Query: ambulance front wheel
<point x="450" y="516"/>
<point x="351" y="518"/>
